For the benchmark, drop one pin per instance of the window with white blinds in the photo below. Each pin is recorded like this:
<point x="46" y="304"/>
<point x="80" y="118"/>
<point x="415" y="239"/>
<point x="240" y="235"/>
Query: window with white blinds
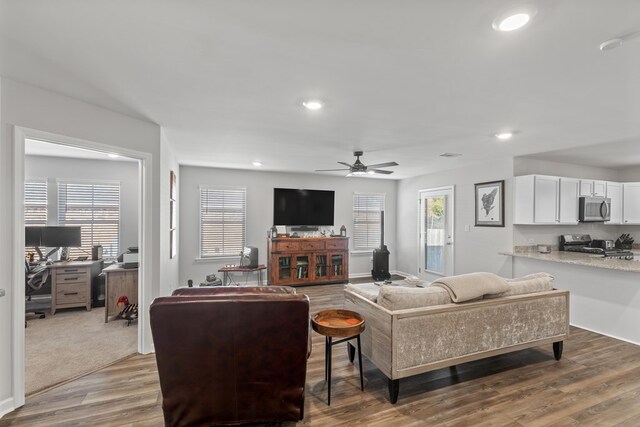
<point x="223" y="214"/>
<point x="96" y="208"/>
<point x="366" y="220"/>
<point x="35" y="202"/>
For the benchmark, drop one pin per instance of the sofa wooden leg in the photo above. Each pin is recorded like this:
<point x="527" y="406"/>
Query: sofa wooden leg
<point x="352" y="352"/>
<point x="557" y="350"/>
<point x="394" y="388"/>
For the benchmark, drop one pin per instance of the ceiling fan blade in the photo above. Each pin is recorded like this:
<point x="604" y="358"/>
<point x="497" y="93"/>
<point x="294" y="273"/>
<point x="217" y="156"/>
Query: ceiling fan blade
<point x="331" y="170"/>
<point x="346" y="164"/>
<point x="380" y="171"/>
<point x="382" y="165"/>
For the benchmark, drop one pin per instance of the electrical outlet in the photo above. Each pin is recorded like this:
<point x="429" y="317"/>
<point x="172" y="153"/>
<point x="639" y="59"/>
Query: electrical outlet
<point x="467" y="227"/>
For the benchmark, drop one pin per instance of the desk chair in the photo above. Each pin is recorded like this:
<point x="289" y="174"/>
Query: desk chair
<point x="35" y="279"/>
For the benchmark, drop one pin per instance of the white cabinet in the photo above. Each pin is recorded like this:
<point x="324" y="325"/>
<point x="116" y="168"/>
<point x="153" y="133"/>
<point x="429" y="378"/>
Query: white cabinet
<point x="545" y="205"/>
<point x="614" y="192"/>
<point x="631" y="203"/>
<point x="591" y="188"/>
<point x="568" y="209"/>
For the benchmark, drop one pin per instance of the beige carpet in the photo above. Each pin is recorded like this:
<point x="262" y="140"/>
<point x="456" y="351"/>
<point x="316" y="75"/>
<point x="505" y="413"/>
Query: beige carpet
<point x="72" y="343"/>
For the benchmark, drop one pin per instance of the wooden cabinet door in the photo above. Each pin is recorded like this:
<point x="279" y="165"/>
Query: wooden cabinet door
<point x="569" y="190"/>
<point x="546" y="200"/>
<point x="631" y="202"/>
<point x="337" y="265"/>
<point x="284" y="269"/>
<point x="302" y="271"/>
<point x="321" y="266"/>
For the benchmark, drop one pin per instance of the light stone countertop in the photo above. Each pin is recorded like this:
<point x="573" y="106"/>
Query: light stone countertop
<point x="581" y="259"/>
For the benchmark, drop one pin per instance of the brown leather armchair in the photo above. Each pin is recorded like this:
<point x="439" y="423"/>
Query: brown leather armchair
<point x="231" y="355"/>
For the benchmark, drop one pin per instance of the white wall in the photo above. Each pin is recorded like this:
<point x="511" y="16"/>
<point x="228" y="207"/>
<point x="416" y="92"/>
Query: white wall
<point x="630" y="174"/>
<point x="475" y="250"/>
<point x="169" y="268"/>
<point x="34" y="108"/>
<point x="526" y="166"/>
<point x="126" y="173"/>
<point x="260" y="187"/>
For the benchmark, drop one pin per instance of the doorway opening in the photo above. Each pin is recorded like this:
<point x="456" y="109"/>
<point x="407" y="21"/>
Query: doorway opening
<point x="86" y="202"/>
<point x="436" y="240"/>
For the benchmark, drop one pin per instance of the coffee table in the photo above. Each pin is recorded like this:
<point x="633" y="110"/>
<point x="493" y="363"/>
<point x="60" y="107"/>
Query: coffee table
<point x="345" y="325"/>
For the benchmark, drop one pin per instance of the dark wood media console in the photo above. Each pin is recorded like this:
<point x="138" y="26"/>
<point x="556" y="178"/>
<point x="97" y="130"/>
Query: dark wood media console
<point x="306" y="261"/>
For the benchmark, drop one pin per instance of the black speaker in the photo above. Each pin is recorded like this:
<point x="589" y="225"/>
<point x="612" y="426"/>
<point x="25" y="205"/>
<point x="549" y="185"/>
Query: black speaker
<point x="381" y="256"/>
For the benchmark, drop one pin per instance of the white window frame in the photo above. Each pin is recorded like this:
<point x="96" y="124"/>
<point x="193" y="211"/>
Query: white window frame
<point x="93" y="182"/>
<point x="357" y="249"/>
<point x="201" y="256"/>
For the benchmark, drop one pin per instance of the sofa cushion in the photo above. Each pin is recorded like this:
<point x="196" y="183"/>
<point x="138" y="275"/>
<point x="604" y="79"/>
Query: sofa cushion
<point x="529" y="284"/>
<point x="401" y="298"/>
<point x="366" y="290"/>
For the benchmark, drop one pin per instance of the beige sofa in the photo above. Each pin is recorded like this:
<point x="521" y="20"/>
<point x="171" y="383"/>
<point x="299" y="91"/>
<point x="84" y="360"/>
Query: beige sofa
<point x="412" y="330"/>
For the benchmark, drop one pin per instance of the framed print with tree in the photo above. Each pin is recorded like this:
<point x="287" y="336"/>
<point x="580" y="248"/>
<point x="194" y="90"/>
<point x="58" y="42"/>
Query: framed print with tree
<point x="490" y="204"/>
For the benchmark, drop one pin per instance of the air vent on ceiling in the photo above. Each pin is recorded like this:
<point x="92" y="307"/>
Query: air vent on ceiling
<point x="450" y="155"/>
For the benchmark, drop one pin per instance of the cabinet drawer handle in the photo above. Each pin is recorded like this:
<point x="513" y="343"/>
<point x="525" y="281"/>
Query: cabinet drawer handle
<point x="69" y="270"/>
<point x="71" y="278"/>
<point x="71" y="293"/>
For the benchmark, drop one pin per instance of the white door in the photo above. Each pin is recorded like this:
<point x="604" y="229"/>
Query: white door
<point x="436" y="233"/>
<point x="631" y="202"/>
<point x="546" y="200"/>
<point x="569" y="189"/>
<point x="614" y="192"/>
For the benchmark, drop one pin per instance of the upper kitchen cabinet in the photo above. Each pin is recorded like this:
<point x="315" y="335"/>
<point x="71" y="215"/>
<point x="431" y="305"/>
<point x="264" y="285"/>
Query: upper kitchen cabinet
<point x="631" y="203"/>
<point x="591" y="188"/>
<point x="541" y="199"/>
<point x="614" y="192"/>
<point x="568" y="212"/>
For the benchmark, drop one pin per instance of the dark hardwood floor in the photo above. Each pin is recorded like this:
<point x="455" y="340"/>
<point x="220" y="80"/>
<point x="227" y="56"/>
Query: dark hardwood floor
<point x="597" y="382"/>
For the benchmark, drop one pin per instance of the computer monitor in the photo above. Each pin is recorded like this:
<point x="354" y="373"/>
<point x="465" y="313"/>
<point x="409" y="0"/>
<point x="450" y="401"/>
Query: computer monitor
<point x="33" y="236"/>
<point x="61" y="237"/>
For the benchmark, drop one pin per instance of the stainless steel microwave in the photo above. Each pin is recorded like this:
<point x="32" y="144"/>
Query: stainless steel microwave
<point x="594" y="209"/>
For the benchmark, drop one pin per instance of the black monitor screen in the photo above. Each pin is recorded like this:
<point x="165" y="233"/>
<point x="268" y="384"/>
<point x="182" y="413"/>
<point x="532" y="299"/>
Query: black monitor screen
<point x="302" y="207"/>
<point x="33" y="236"/>
<point x="54" y="237"/>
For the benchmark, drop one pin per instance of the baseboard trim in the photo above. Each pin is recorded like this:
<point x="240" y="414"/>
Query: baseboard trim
<point x="401" y="273"/>
<point x="6" y="406"/>
<point x="602" y="333"/>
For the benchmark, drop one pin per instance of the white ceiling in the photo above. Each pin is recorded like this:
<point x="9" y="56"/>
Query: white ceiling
<point x="403" y="81"/>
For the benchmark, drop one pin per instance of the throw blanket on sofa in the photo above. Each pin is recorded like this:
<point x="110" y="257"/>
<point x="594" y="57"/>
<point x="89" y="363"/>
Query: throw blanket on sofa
<point x="466" y="287"/>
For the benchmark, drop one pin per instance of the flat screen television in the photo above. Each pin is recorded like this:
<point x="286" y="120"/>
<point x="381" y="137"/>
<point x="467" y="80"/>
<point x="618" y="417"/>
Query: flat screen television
<point x="61" y="237"/>
<point x="302" y="207"/>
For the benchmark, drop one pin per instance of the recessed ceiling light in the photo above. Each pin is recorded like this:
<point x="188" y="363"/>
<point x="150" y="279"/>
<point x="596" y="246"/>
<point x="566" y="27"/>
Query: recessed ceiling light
<point x="257" y="164"/>
<point x="504" y="136"/>
<point x="113" y="156"/>
<point x="514" y="19"/>
<point x="312" y="104"/>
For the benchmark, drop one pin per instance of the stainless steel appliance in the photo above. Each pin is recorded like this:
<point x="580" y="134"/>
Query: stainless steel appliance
<point x="594" y="209"/>
<point x="603" y="244"/>
<point x="584" y="243"/>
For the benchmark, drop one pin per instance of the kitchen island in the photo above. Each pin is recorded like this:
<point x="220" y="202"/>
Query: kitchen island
<point x="605" y="293"/>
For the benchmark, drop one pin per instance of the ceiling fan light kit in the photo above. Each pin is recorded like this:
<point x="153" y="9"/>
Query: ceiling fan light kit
<point x="359" y="168"/>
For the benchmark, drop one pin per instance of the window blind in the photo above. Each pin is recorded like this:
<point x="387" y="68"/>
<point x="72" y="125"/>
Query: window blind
<point x="366" y="220"/>
<point x="223" y="215"/>
<point x="35" y="205"/>
<point x="35" y="202"/>
<point x="96" y="208"/>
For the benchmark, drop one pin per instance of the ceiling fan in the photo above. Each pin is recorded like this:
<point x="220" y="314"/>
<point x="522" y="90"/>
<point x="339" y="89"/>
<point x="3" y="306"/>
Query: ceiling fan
<point x="359" y="168"/>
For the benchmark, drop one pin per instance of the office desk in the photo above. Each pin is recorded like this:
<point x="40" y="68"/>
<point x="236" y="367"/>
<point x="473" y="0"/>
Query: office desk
<point x="226" y="270"/>
<point x="71" y="283"/>
<point x="119" y="282"/>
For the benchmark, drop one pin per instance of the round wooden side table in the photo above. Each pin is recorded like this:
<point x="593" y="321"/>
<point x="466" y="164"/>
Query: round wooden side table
<point x="345" y="325"/>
